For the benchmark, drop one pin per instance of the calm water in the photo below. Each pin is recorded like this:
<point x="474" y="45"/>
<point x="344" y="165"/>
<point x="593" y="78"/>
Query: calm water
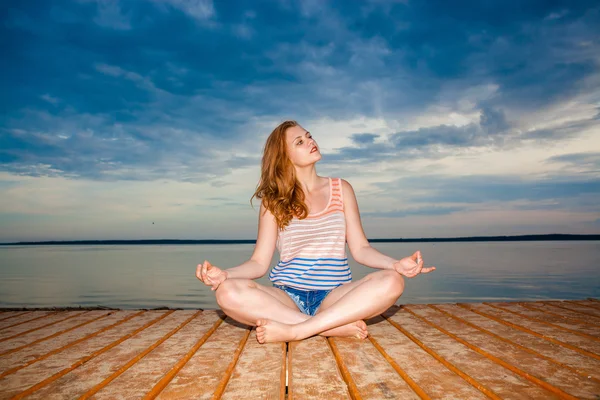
<point x="154" y="276"/>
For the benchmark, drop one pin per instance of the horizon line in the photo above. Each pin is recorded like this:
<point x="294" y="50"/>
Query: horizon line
<point x="530" y="237"/>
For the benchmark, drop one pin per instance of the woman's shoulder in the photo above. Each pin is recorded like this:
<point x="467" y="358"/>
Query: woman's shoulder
<point x="341" y="185"/>
<point x="336" y="179"/>
<point x="341" y="181"/>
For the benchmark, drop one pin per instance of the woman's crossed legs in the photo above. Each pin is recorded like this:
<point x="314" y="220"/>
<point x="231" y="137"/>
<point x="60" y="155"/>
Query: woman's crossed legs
<point x="247" y="301"/>
<point x="278" y="318"/>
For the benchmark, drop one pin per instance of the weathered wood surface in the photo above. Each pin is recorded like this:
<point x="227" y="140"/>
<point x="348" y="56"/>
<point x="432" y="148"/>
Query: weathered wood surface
<point x="543" y="349"/>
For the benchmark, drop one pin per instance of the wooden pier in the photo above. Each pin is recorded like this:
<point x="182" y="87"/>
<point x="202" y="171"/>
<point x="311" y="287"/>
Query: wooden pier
<point x="539" y="350"/>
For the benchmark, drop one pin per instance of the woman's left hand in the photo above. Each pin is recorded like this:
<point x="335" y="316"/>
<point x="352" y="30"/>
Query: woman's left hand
<point x="412" y="266"/>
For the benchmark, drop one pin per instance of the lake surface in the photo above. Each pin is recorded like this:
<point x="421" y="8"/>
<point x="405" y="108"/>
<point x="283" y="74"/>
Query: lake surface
<point x="146" y="276"/>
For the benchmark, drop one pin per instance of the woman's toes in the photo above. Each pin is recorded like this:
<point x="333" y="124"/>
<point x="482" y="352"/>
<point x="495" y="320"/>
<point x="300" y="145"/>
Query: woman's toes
<point x="261" y="322"/>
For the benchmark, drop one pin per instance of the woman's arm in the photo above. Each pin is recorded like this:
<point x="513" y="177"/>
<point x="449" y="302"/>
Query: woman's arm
<point x="358" y="244"/>
<point x="259" y="263"/>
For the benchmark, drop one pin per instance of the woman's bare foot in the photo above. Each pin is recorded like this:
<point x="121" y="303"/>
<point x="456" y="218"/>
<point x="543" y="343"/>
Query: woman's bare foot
<point x="269" y="331"/>
<point x="356" y="329"/>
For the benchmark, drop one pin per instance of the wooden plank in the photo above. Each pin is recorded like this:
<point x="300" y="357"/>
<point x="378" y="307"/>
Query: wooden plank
<point x="6" y="315"/>
<point x="28" y="377"/>
<point x="437" y="381"/>
<point x="203" y="373"/>
<point x="80" y="380"/>
<point x="550" y="376"/>
<point x="502" y="382"/>
<point x="567" y="315"/>
<point x="260" y="372"/>
<point x="592" y="313"/>
<point x="32" y="326"/>
<point x="594" y="303"/>
<point x="32" y="354"/>
<point x="585" y="330"/>
<point x="586" y="366"/>
<point x="548" y="331"/>
<point x="373" y="375"/>
<point x="49" y="331"/>
<point x="24" y="318"/>
<point x="138" y="380"/>
<point x="313" y="372"/>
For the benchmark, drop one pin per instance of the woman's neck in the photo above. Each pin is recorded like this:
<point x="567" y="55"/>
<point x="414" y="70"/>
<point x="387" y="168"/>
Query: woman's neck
<point x="308" y="178"/>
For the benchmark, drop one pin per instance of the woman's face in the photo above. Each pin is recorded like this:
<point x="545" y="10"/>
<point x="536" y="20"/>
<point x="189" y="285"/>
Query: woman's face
<point x="302" y="149"/>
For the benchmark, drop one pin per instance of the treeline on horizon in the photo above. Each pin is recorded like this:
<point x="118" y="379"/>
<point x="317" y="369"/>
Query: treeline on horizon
<point x="517" y="238"/>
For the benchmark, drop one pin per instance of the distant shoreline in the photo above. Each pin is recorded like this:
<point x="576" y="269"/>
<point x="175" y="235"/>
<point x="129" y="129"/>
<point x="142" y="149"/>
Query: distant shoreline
<point x="516" y="238"/>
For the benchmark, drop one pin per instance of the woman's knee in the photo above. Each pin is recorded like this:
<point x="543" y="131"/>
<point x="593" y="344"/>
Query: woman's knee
<point x="229" y="294"/>
<point x="392" y="282"/>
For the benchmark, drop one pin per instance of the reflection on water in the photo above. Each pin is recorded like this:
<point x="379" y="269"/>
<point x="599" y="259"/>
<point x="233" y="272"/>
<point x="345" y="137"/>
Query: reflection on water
<point x="156" y="276"/>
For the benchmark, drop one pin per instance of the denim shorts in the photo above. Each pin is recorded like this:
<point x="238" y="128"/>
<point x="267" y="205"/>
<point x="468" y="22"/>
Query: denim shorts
<point x="308" y="301"/>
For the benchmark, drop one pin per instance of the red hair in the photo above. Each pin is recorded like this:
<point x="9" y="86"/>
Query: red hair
<point x="278" y="187"/>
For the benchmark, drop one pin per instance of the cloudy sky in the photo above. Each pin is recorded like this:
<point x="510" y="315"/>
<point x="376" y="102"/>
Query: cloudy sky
<point x="146" y="119"/>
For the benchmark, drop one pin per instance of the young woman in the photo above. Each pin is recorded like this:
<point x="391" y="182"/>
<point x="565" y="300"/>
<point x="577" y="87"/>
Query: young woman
<point x="310" y="219"/>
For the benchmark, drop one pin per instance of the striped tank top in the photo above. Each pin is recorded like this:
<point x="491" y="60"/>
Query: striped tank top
<point x="312" y="251"/>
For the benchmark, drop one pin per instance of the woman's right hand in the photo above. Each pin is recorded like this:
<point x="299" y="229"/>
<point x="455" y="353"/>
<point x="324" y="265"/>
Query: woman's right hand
<point x="210" y="275"/>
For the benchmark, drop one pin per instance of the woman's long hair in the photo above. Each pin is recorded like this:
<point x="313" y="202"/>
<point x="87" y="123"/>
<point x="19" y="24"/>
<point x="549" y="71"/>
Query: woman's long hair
<point x="278" y="187"/>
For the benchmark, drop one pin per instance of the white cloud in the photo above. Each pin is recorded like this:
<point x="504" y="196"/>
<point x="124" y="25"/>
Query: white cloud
<point x="50" y="99"/>
<point x="201" y="10"/>
<point x="110" y="15"/>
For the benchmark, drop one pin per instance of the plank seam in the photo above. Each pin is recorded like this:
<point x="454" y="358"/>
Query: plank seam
<point x="532" y="332"/>
<point x="137" y="358"/>
<point x="82" y="361"/>
<point x="499" y="361"/>
<point x="168" y="377"/>
<point x="13" y="316"/>
<point x="53" y="335"/>
<point x="527" y="349"/>
<point x="469" y="379"/>
<point x="236" y="356"/>
<point x="290" y="387"/>
<point x="575" y="311"/>
<point x="29" y="320"/>
<point x="585" y="335"/>
<point x="582" y="305"/>
<point x="283" y="373"/>
<point x="413" y="385"/>
<point x="56" y="351"/>
<point x="543" y="310"/>
<point x="41" y="327"/>
<point x="350" y="384"/>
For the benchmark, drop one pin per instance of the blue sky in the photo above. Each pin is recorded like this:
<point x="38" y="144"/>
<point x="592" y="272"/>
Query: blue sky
<point x="146" y="119"/>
